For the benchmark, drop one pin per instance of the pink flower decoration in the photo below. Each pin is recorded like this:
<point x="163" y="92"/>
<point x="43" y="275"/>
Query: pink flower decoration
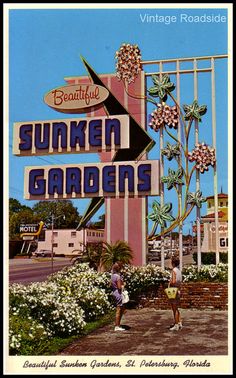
<point x="203" y="155"/>
<point x="128" y="63"/>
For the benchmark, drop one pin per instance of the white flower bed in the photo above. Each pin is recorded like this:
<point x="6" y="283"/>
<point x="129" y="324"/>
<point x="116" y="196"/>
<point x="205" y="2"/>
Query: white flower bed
<point x="138" y="278"/>
<point x="206" y="273"/>
<point x="63" y="304"/>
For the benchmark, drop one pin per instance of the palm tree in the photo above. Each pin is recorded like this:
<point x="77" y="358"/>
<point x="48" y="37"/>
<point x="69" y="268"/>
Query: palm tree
<point x="119" y="251"/>
<point x="93" y="253"/>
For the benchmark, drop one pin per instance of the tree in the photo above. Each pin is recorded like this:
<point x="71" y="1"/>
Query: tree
<point x="21" y="216"/>
<point x="100" y="223"/>
<point x="15" y="206"/>
<point x="93" y="253"/>
<point x="59" y="208"/>
<point x="42" y="211"/>
<point x="119" y="251"/>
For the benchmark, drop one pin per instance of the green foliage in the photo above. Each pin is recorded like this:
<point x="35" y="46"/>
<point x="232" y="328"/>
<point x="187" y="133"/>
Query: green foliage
<point x="27" y="336"/>
<point x="171" y="151"/>
<point x="100" y="223"/>
<point x="196" y="198"/>
<point x="140" y="278"/>
<point x="44" y="317"/>
<point x="42" y="211"/>
<point x="194" y="111"/>
<point x="92" y="254"/>
<point x="162" y="87"/>
<point x="160" y="215"/>
<point x="119" y="251"/>
<point x="210" y="257"/>
<point x="23" y="215"/>
<point x="15" y="206"/>
<point x="60" y="208"/>
<point x="174" y="178"/>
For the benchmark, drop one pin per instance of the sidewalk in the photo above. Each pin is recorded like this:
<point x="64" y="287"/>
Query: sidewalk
<point x="147" y="333"/>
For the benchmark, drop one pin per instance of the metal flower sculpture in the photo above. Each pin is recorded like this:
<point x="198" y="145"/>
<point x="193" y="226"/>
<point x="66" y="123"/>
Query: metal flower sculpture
<point x="203" y="155"/>
<point x="194" y="111"/>
<point x="171" y="151"/>
<point x="176" y="118"/>
<point x="162" y="87"/>
<point x="128" y="63"/>
<point x="160" y="215"/>
<point x="174" y="178"/>
<point x="164" y="115"/>
<point x="196" y="198"/>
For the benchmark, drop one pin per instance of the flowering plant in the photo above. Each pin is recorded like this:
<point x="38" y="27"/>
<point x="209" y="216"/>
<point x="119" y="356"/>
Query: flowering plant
<point x="139" y="278"/>
<point x="60" y="306"/>
<point x="211" y="273"/>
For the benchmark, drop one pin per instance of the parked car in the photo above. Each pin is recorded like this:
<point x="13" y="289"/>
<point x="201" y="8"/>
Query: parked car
<point x="43" y="253"/>
<point x="154" y="255"/>
<point x="79" y="256"/>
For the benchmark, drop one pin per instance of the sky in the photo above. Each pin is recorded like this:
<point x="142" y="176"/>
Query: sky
<point x="45" y="46"/>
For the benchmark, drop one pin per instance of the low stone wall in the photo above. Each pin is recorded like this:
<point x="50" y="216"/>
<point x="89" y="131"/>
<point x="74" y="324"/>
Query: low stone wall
<point x="199" y="295"/>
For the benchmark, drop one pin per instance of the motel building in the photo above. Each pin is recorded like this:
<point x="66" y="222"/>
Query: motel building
<point x="208" y="220"/>
<point x="69" y="242"/>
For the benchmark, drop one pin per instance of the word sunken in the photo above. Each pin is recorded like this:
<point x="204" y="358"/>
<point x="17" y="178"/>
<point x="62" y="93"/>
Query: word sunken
<point x="71" y="135"/>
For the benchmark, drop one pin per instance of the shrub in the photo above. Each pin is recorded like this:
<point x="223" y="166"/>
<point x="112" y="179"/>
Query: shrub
<point x="61" y="306"/>
<point x="27" y="336"/>
<point x="48" y="304"/>
<point x="209" y="273"/>
<point x="210" y="257"/>
<point x="90" y="290"/>
<point x="140" y="278"/>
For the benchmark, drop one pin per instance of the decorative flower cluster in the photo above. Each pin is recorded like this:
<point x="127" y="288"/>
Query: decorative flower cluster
<point x="128" y="63"/>
<point x="164" y="115"/>
<point x="203" y="155"/>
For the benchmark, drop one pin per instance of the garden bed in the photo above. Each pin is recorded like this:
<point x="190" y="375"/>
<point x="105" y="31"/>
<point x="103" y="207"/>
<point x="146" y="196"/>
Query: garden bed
<point x="71" y="300"/>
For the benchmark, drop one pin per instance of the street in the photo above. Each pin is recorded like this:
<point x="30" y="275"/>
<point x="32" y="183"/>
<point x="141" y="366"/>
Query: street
<point x="38" y="269"/>
<point x="35" y="269"/>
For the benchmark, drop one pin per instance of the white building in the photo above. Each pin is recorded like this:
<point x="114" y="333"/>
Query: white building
<point x="69" y="242"/>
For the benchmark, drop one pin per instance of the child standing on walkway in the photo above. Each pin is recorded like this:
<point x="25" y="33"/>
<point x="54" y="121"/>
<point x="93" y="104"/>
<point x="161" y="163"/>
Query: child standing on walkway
<point x="175" y="281"/>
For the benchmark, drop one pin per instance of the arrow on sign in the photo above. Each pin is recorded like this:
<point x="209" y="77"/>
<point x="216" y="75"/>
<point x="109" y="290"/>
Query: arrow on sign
<point x="140" y="141"/>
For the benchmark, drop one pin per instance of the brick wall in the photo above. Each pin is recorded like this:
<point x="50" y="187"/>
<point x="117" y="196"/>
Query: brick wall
<point x="207" y="295"/>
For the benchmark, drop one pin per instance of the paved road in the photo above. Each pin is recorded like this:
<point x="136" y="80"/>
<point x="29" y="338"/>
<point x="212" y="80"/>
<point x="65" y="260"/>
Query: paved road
<point x="203" y="333"/>
<point x="35" y="269"/>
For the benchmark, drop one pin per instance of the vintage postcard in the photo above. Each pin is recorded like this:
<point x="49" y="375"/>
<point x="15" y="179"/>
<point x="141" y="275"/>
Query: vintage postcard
<point x="117" y="189"/>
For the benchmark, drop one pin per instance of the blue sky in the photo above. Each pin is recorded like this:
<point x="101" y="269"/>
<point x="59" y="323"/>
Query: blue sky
<point x="45" y="47"/>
